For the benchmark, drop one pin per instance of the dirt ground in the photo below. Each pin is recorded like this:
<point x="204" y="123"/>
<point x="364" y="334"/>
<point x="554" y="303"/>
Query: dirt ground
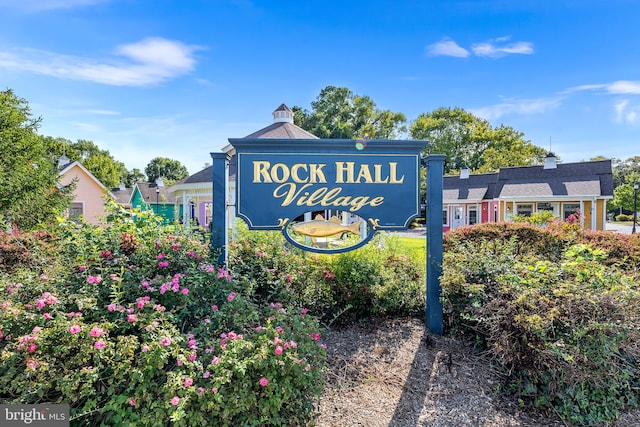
<point x="392" y="373"/>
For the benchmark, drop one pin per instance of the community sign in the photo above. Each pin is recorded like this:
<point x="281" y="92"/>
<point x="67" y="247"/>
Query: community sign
<point x="327" y="195"/>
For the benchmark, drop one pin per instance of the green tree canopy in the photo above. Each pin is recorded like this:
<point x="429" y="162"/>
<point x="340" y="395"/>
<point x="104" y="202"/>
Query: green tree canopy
<point x="470" y="141"/>
<point x="168" y="169"/>
<point x="623" y="194"/>
<point x="133" y="176"/>
<point x="338" y="113"/>
<point x="99" y="162"/>
<point x="622" y="169"/>
<point x="30" y="194"/>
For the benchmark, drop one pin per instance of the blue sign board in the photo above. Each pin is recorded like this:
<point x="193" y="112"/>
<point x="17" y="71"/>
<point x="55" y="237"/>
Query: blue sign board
<point x="277" y="181"/>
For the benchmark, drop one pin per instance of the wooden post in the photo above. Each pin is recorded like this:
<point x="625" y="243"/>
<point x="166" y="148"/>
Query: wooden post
<point x="219" y="206"/>
<point x="435" y="168"/>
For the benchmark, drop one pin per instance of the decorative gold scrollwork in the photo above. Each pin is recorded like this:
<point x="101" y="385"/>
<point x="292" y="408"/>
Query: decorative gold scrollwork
<point x="282" y="222"/>
<point x="375" y="223"/>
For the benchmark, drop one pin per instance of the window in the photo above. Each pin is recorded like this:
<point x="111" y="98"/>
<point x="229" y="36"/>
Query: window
<point x="569" y="209"/>
<point x="545" y="207"/>
<point x="524" y="209"/>
<point x="473" y="215"/>
<point x="76" y="210"/>
<point x="445" y="216"/>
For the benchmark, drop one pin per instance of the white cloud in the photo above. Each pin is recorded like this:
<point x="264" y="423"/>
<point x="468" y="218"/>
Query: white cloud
<point x="447" y="47"/>
<point x="619" y="87"/>
<point x="494" y="48"/>
<point x="518" y="106"/>
<point x="147" y="62"/>
<point x="625" y="113"/>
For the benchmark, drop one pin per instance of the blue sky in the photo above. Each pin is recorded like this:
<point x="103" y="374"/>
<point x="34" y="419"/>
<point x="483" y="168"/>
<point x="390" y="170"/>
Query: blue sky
<point x="149" y="78"/>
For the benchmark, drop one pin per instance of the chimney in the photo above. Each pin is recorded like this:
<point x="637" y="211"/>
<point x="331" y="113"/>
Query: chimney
<point x="550" y="161"/>
<point x="159" y="182"/>
<point x="464" y="173"/>
<point x="122" y="187"/>
<point x="283" y="114"/>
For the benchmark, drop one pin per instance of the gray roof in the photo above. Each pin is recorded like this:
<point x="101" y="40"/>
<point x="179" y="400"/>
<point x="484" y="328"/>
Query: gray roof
<point x="472" y="189"/>
<point x="148" y="192"/>
<point x="282" y="130"/>
<point x="123" y="196"/>
<point x="567" y="179"/>
<point x="583" y="179"/>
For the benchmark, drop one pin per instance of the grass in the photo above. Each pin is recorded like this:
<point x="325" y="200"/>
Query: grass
<point x="412" y="247"/>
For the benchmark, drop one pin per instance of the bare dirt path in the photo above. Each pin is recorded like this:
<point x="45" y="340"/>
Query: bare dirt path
<point x="391" y="373"/>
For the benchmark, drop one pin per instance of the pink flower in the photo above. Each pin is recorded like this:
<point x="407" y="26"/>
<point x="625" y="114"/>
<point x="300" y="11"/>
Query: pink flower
<point x="132" y="401"/>
<point x="99" y="344"/>
<point x="264" y="382"/>
<point x="74" y="329"/>
<point x="163" y="264"/>
<point x="40" y="303"/>
<point x="289" y="278"/>
<point x="184" y="291"/>
<point x="111" y="307"/>
<point x="94" y="279"/>
<point x="278" y="350"/>
<point x="206" y="374"/>
<point x="145" y="348"/>
<point x="231" y="296"/>
<point x="215" y="360"/>
<point x="175" y="400"/>
<point x="188" y="382"/>
<point x="131" y="318"/>
<point x="165" y="341"/>
<point x="307" y="368"/>
<point x="96" y="332"/>
<point x="214" y="307"/>
<point x="47" y="316"/>
<point x="32" y="364"/>
<point x="32" y="348"/>
<point x="44" y="277"/>
<point x="82" y="268"/>
<point x="260" y="254"/>
<point x="160" y="256"/>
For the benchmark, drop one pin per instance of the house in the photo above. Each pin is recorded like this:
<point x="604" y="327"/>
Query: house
<point x="122" y="195"/>
<point x="194" y="194"/>
<point x="88" y="197"/>
<point x="562" y="188"/>
<point x="157" y="197"/>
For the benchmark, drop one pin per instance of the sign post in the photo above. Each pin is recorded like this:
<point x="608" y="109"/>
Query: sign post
<point x="330" y="196"/>
<point x="435" y="168"/>
<point x="219" y="226"/>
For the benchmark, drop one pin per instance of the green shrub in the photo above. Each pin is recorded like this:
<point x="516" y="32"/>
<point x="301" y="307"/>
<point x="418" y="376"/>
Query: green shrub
<point x="345" y="287"/>
<point x="624" y="217"/>
<point x="140" y="327"/>
<point x="563" y="330"/>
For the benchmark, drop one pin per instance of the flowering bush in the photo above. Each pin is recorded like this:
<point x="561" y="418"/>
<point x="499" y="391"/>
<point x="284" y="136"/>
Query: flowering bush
<point x="132" y="325"/>
<point x="346" y="287"/>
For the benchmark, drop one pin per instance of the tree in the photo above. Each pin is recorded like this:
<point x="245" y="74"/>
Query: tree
<point x="623" y="194"/>
<point x="30" y="194"/>
<point x="134" y="176"/>
<point x="469" y="141"/>
<point x="622" y="169"/>
<point x="338" y="113"/>
<point x="99" y="162"/>
<point x="168" y="169"/>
